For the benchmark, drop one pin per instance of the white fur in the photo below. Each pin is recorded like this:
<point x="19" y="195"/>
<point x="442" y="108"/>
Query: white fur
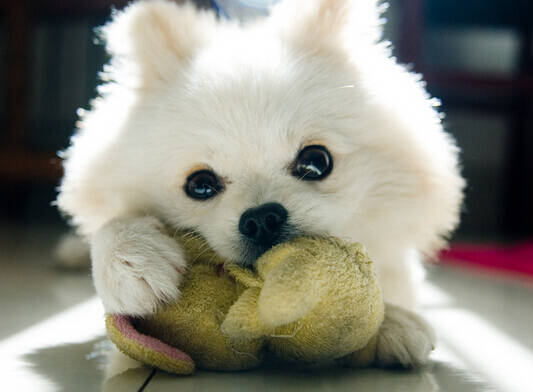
<point x="136" y="266"/>
<point x="405" y="339"/>
<point x="185" y="91"/>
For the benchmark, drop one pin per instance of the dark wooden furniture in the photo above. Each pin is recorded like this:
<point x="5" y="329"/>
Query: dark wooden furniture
<point x="517" y="15"/>
<point x="18" y="162"/>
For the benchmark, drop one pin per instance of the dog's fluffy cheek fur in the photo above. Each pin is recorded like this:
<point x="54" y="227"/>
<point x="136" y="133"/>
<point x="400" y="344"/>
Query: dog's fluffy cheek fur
<point x="424" y="159"/>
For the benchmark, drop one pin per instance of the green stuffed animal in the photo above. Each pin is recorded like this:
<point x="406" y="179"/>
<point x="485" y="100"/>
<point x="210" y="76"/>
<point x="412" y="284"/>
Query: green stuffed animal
<point x="307" y="300"/>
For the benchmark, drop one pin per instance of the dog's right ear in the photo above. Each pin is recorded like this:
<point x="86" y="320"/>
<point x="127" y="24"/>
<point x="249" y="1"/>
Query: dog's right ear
<point x="149" y="41"/>
<point x="326" y="25"/>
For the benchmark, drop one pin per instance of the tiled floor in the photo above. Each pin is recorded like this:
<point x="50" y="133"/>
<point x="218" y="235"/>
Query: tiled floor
<point x="52" y="336"/>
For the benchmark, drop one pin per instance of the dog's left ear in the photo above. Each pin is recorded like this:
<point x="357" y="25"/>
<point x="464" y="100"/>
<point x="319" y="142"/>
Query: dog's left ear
<point x="329" y="24"/>
<point x="149" y="41"/>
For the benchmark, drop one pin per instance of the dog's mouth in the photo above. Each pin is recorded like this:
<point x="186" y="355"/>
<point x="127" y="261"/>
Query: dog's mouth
<point x="252" y="251"/>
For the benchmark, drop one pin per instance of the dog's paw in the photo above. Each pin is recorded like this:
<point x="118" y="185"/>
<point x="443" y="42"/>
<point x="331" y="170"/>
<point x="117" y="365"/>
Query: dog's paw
<point x="405" y="339"/>
<point x="136" y="266"/>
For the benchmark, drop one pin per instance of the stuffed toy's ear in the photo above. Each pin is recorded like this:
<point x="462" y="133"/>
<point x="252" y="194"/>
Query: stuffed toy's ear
<point x="292" y="286"/>
<point x="147" y="349"/>
<point x="327" y="24"/>
<point x="149" y="40"/>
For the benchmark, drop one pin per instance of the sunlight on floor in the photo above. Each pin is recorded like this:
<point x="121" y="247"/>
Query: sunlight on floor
<point x="480" y="346"/>
<point x="70" y="326"/>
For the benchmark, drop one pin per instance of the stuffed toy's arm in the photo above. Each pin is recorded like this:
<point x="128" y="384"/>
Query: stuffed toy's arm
<point x="147" y="349"/>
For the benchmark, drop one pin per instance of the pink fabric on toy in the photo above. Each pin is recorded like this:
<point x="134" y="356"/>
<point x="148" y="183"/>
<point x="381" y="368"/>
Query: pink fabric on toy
<point x="517" y="258"/>
<point x="125" y="325"/>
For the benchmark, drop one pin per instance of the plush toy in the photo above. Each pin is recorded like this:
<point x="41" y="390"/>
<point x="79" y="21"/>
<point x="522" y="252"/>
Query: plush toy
<point x="308" y="300"/>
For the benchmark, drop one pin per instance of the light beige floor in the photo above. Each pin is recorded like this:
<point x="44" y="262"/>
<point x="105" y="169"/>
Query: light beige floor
<point x="52" y="335"/>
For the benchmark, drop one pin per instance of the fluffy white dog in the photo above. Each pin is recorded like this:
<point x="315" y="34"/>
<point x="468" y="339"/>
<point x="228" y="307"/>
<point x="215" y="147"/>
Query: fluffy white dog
<point x="301" y="123"/>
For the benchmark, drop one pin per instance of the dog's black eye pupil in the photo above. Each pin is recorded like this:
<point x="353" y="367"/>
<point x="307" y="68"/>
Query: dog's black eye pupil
<point x="313" y="163"/>
<point x="202" y="185"/>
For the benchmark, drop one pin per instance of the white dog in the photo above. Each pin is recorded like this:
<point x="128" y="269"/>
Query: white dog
<point x="301" y="123"/>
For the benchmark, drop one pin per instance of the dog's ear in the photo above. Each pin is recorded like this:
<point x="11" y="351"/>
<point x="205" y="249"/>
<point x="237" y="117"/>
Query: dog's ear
<point x="329" y="24"/>
<point x="150" y="40"/>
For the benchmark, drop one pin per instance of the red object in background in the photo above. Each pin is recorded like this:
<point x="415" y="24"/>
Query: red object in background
<point x="516" y="259"/>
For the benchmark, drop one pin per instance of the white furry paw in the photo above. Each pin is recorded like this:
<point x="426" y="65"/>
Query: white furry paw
<point x="405" y="339"/>
<point x="136" y="266"/>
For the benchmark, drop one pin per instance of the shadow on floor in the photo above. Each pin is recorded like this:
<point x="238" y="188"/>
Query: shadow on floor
<point x="319" y="379"/>
<point x="79" y="367"/>
<point x="69" y="367"/>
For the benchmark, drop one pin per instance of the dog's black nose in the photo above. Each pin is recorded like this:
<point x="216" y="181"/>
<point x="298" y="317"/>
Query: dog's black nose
<point x="262" y="225"/>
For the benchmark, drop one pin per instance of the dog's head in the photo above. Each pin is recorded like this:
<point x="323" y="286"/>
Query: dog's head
<point x="298" y="124"/>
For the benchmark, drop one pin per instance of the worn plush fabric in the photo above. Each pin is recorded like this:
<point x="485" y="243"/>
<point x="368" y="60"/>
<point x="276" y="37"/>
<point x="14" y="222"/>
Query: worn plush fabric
<point x="308" y="300"/>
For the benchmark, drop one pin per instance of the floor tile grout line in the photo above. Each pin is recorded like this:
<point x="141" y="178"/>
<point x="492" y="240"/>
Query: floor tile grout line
<point x="141" y="389"/>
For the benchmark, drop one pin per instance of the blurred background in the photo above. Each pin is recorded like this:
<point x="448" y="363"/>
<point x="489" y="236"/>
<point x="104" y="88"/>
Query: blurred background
<point x="477" y="57"/>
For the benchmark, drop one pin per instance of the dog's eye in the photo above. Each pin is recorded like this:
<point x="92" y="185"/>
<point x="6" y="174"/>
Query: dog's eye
<point x="312" y="164"/>
<point x="203" y="185"/>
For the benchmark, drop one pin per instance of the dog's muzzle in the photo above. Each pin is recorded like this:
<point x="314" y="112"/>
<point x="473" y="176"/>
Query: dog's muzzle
<point x="263" y="227"/>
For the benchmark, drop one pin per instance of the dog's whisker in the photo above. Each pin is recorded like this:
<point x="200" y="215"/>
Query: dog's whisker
<point x="346" y="86"/>
<point x="306" y="173"/>
<point x="201" y="254"/>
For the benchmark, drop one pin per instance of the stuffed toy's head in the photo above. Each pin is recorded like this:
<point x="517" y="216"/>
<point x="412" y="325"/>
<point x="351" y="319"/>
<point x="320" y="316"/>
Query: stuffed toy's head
<point x="308" y="300"/>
